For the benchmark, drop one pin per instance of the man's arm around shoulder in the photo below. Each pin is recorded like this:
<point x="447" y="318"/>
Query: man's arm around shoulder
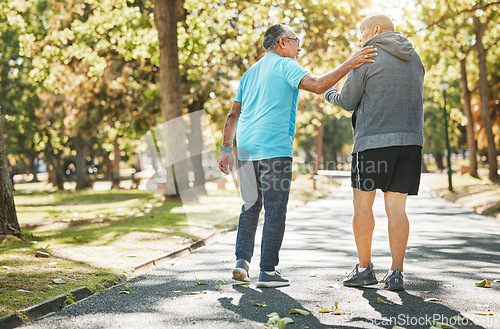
<point x="321" y="84"/>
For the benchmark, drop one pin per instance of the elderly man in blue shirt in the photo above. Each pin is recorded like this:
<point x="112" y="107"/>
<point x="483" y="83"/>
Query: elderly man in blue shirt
<point x="263" y="114"/>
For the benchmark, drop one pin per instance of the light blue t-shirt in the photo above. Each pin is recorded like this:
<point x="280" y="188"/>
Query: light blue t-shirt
<point x="269" y="93"/>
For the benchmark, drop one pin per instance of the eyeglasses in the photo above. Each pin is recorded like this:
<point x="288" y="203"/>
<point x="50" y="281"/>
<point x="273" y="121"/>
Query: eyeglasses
<point x="296" y="39"/>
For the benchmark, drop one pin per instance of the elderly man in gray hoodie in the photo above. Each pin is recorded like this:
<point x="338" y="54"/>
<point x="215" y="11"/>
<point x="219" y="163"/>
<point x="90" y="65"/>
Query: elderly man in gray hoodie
<point x="387" y="105"/>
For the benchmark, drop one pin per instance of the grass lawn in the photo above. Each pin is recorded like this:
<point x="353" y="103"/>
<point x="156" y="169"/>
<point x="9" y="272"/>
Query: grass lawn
<point x="93" y="236"/>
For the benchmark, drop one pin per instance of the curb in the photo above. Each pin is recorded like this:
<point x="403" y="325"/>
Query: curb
<point x="11" y="321"/>
<point x="56" y="304"/>
<point x="153" y="263"/>
<point x="49" y="306"/>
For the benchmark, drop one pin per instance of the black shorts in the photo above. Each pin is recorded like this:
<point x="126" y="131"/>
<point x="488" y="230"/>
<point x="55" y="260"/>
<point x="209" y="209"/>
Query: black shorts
<point x="394" y="169"/>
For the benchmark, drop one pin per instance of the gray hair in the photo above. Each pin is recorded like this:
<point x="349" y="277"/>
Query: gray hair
<point x="274" y="34"/>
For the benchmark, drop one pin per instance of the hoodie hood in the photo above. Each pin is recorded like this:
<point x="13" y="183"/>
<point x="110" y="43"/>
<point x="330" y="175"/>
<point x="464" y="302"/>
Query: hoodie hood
<point x="394" y="43"/>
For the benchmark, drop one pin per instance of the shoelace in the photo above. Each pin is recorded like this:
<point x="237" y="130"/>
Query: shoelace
<point x="393" y="275"/>
<point x="353" y="272"/>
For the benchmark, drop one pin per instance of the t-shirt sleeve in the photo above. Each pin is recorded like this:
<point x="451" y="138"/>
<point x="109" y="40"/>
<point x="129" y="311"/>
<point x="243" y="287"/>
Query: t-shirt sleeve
<point x="293" y="72"/>
<point x="239" y="93"/>
<point x="238" y="97"/>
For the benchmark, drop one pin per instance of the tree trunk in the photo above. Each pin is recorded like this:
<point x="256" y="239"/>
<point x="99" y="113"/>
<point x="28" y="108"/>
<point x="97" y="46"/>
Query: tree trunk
<point x="115" y="165"/>
<point x="166" y="14"/>
<point x="82" y="180"/>
<point x="483" y="92"/>
<point x="53" y="161"/>
<point x="439" y="160"/>
<point x="471" y="141"/>
<point x="107" y="166"/>
<point x="195" y="145"/>
<point x="8" y="216"/>
<point x="33" y="167"/>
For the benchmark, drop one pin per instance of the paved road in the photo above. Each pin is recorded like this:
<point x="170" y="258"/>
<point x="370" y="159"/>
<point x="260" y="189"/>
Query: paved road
<point x="449" y="249"/>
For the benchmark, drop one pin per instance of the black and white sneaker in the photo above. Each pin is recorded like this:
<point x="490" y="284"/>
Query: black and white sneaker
<point x="361" y="279"/>
<point x="394" y="281"/>
<point x="240" y="272"/>
<point x="272" y="280"/>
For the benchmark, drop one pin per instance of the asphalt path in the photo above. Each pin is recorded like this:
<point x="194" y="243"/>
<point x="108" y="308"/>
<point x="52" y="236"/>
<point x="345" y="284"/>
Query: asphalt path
<point x="450" y="248"/>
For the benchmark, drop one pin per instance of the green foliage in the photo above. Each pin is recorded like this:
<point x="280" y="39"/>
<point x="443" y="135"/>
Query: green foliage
<point x="444" y="33"/>
<point x="17" y="90"/>
<point x="90" y="68"/>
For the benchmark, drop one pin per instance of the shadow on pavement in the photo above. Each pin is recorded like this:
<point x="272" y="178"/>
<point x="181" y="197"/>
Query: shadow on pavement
<point x="410" y="311"/>
<point x="276" y="300"/>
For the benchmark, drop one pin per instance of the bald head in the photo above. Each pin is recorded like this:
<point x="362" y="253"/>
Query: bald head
<point x="383" y="21"/>
<point x="373" y="25"/>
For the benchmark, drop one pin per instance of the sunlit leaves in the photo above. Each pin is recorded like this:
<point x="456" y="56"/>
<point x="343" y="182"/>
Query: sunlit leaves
<point x="263" y="304"/>
<point x="383" y="302"/>
<point x="484" y="284"/>
<point x="299" y="311"/>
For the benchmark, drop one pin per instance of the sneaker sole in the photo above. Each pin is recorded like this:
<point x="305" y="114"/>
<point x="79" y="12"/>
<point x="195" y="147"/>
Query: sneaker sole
<point x="240" y="275"/>
<point x="360" y="283"/>
<point x="271" y="284"/>
<point x="397" y="288"/>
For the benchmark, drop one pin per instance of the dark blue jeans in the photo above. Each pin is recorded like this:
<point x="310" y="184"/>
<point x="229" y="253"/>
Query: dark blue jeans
<point x="263" y="182"/>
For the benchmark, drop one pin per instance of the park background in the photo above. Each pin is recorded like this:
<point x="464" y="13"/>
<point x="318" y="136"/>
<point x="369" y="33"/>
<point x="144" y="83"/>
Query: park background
<point x="82" y="81"/>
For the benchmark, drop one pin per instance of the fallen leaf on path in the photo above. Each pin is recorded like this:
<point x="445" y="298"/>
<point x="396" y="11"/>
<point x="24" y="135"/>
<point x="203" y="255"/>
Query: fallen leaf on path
<point x="441" y="325"/>
<point x="484" y="284"/>
<point x="263" y="304"/>
<point x="336" y="305"/>
<point x="125" y="289"/>
<point x="432" y="300"/>
<point x="67" y="302"/>
<point x="334" y="286"/>
<point x="299" y="311"/>
<point x="221" y="282"/>
<point x="483" y="313"/>
<point x="198" y="282"/>
<point x="276" y="322"/>
<point x="383" y="302"/>
<point x="244" y="285"/>
<point x="58" y="281"/>
<point x="325" y="310"/>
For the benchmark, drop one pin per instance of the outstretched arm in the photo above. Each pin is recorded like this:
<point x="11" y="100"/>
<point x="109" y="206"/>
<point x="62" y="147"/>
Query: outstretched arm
<point x="226" y="159"/>
<point x="321" y="84"/>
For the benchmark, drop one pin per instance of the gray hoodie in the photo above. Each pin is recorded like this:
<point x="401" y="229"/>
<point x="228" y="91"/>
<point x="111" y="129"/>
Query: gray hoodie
<point x="386" y="96"/>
